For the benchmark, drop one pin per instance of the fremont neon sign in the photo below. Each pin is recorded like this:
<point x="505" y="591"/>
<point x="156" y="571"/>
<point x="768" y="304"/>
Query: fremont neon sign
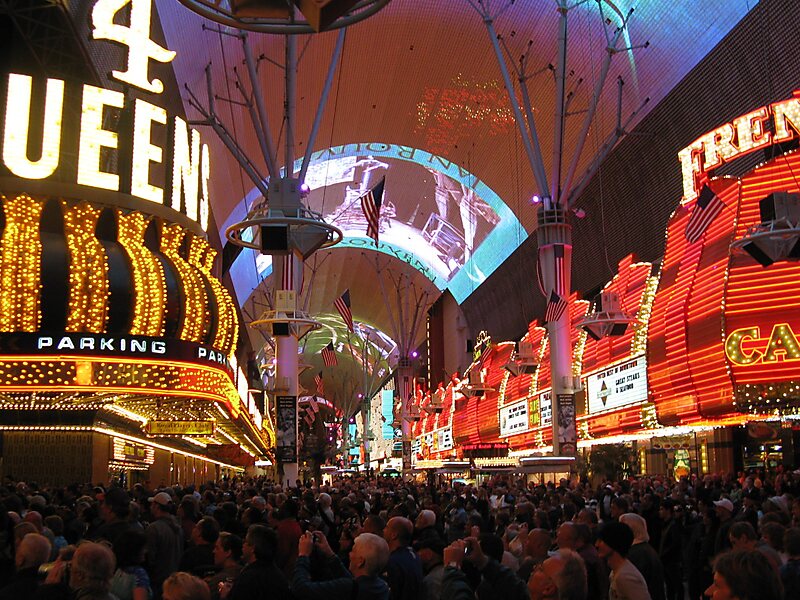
<point x="185" y="185"/>
<point x="741" y="136"/>
<point x="746" y="346"/>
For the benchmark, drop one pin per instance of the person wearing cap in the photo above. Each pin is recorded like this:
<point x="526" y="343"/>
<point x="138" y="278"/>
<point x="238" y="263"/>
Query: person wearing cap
<point x="430" y="549"/>
<point x="164" y="541"/>
<point x="614" y="541"/>
<point x="724" y="510"/>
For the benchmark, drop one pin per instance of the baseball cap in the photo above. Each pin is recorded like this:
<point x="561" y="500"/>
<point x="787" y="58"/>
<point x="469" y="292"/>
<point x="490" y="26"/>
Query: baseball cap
<point x="724" y="503"/>
<point x="162" y="498"/>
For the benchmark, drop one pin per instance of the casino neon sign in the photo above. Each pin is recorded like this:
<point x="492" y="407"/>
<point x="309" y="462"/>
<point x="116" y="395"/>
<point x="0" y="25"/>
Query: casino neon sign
<point x="745" y="346"/>
<point x="741" y="136"/>
<point x="185" y="163"/>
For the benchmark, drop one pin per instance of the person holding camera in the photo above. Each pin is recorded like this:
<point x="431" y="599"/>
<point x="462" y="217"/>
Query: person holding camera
<point x="503" y="582"/>
<point x="260" y="577"/>
<point x="368" y="559"/>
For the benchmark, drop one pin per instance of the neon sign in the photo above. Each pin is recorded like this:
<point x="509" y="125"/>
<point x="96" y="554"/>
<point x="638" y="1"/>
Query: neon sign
<point x="741" y="136"/>
<point x="745" y="346"/>
<point x="177" y="176"/>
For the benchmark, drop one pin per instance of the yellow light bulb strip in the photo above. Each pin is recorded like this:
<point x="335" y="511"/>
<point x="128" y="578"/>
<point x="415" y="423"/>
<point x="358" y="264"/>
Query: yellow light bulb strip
<point x="148" y="277"/>
<point x="202" y="256"/>
<point x="196" y="321"/>
<point x="88" y="271"/>
<point x="20" y="265"/>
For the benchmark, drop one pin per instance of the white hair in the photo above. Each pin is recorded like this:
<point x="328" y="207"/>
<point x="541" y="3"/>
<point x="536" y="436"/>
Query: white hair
<point x="376" y="552"/>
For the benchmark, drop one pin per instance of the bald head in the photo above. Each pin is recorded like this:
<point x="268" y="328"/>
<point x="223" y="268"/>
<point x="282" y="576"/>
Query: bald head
<point x="538" y="543"/>
<point x="398" y="532"/>
<point x="425" y="518"/>
<point x="567" y="536"/>
<point x="35" y="519"/>
<point x="92" y="567"/>
<point x="33" y="550"/>
<point x="562" y="577"/>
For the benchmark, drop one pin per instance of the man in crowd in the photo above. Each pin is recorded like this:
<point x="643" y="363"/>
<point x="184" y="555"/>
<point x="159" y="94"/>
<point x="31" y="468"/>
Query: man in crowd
<point x="199" y="557"/>
<point x="260" y="577"/>
<point x="164" y="541"/>
<point x="33" y="551"/>
<point x="227" y="559"/>
<point x="404" y="571"/>
<point x="625" y="583"/>
<point x="560" y="577"/>
<point x="368" y="559"/>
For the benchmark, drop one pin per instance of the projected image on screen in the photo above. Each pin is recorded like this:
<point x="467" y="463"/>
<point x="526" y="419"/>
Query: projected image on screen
<point x="424" y="212"/>
<point x="436" y="216"/>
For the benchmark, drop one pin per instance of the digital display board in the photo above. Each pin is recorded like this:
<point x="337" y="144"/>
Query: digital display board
<point x="436" y="217"/>
<point x="545" y="408"/>
<point x="617" y="386"/>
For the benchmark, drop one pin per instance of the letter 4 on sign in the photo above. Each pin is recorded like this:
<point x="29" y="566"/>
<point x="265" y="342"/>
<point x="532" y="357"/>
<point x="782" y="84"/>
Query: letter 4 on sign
<point x="136" y="37"/>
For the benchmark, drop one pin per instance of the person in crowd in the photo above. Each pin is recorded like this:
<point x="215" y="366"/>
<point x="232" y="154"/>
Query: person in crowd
<point x="743" y="537"/>
<point x="374" y="524"/>
<point x="643" y="555"/>
<point x="430" y="549"/>
<point x="188" y="516"/>
<point x="560" y="577"/>
<point x="130" y="580"/>
<point x="596" y="568"/>
<point x="87" y="576"/>
<point x="260" y="577"/>
<point x="56" y="524"/>
<point x="368" y="559"/>
<point x="227" y="559"/>
<point x="614" y="540"/>
<point x="32" y="553"/>
<point x="790" y="572"/>
<point x="289" y="533"/>
<point x="425" y="525"/>
<point x="670" y="550"/>
<point x="164" y="541"/>
<point x="404" y="571"/>
<point x="198" y="558"/>
<point x="537" y="545"/>
<point x="114" y="513"/>
<point x="744" y="575"/>
<point x="184" y="586"/>
<point x="503" y="582"/>
<point x="724" y="510"/>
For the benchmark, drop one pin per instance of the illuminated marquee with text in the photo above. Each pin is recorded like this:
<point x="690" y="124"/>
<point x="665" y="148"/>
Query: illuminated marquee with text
<point x="184" y="165"/>
<point x="746" y="346"/>
<point x="743" y="135"/>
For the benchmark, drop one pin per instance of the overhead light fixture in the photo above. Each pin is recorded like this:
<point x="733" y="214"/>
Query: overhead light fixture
<point x="777" y="236"/>
<point x="523" y="360"/>
<point x="608" y="319"/>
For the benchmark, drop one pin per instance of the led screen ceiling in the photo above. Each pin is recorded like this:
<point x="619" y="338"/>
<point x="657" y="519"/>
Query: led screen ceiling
<point x="436" y="217"/>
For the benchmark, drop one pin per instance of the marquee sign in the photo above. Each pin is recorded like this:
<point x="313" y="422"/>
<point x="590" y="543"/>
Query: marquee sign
<point x="771" y="124"/>
<point x="514" y="418"/>
<point x="617" y="386"/>
<point x="181" y="428"/>
<point x="176" y="175"/>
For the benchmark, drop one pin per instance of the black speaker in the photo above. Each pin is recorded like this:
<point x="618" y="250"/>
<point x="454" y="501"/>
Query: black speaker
<point x="280" y="329"/>
<point x="618" y="328"/>
<point x="758" y="254"/>
<point x="274" y="239"/>
<point x="470" y="346"/>
<point x="779" y="205"/>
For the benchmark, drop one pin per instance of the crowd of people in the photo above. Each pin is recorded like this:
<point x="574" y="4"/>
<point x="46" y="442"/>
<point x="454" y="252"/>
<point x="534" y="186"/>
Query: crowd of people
<point x="733" y="537"/>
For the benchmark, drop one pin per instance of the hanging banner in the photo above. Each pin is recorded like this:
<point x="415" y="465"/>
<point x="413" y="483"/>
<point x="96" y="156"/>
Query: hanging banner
<point x="286" y="431"/>
<point x="187" y="428"/>
<point x="567" y="438"/>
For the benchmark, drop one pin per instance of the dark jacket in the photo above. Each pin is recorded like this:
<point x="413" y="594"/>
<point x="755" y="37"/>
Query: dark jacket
<point x="164" y="549"/>
<point x="504" y="583"/>
<point x="341" y="586"/>
<point x="404" y="575"/>
<point x="198" y="559"/>
<point x="260" y="580"/>
<point x="645" y="559"/>
<point x="22" y="585"/>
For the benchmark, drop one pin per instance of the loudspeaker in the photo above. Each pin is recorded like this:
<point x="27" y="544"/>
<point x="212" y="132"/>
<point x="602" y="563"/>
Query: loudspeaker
<point x="618" y="329"/>
<point x="758" y="254"/>
<point x="280" y="329"/>
<point x="780" y="205"/>
<point x="274" y="239"/>
<point x="320" y="14"/>
<point x="470" y="346"/>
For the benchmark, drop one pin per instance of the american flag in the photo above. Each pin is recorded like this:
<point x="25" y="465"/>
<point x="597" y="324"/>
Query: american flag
<point x="342" y="304"/>
<point x="320" y="384"/>
<point x="371" y="206"/>
<point x="706" y="210"/>
<point x="329" y="355"/>
<point x="556" y="305"/>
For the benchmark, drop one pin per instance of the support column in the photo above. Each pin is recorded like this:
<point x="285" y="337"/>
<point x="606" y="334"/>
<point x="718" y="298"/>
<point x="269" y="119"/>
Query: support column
<point x="404" y="386"/>
<point x="555" y="262"/>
